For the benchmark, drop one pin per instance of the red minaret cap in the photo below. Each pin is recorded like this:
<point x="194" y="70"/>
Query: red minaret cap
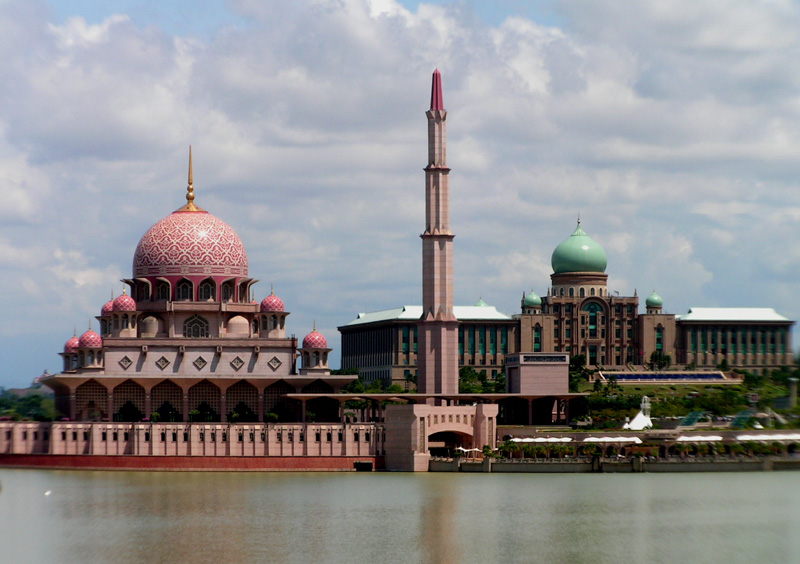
<point x="437" y="101"/>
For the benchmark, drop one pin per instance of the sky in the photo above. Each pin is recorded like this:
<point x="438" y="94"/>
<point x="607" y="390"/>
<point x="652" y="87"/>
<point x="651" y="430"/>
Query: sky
<point x="671" y="128"/>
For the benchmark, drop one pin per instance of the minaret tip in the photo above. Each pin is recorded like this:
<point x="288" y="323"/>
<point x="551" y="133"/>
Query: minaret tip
<point x="190" y="189"/>
<point x="437" y="101"/>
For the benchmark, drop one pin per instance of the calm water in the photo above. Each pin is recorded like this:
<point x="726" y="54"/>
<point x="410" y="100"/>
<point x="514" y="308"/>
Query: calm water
<point x="131" y="517"/>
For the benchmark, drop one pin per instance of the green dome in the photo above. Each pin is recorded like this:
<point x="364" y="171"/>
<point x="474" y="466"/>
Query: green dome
<point x="579" y="253"/>
<point x="532" y="300"/>
<point x="654" y="300"/>
<point x="481" y="303"/>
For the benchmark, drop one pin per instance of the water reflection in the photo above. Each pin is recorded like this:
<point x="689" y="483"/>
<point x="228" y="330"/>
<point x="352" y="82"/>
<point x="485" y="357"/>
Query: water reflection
<point x="129" y="517"/>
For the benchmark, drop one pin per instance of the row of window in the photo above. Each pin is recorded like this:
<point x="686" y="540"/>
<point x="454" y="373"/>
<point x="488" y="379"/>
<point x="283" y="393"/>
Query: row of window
<point x="581" y="292"/>
<point x="184" y="291"/>
<point x="224" y="436"/>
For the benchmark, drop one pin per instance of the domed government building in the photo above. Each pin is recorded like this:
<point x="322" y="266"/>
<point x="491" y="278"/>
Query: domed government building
<point x="577" y="315"/>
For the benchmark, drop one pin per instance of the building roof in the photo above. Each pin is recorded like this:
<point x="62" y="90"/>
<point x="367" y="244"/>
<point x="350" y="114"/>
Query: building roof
<point x="731" y="314"/>
<point x="579" y="253"/>
<point x="414" y="312"/>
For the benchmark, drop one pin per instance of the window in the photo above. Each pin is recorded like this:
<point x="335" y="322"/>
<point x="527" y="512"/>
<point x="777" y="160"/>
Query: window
<point x="366" y="436"/>
<point x="207" y="292"/>
<point x="184" y="290"/>
<point x="114" y="436"/>
<point x="224" y="437"/>
<point x="593" y="309"/>
<point x="291" y="436"/>
<point x="279" y="436"/>
<point x="356" y="436"/>
<point x="147" y="436"/>
<point x="302" y="436"/>
<point x="104" y="436"/>
<point x="317" y="436"/>
<point x="186" y="437"/>
<point x="591" y="292"/>
<point x="340" y="436"/>
<point x="74" y="435"/>
<point x="537" y="339"/>
<point x="125" y="436"/>
<point x="263" y="437"/>
<point x="162" y="291"/>
<point x="329" y="436"/>
<point x="163" y="436"/>
<point x="252" y="437"/>
<point x="241" y="437"/>
<point x="227" y="292"/>
<point x="195" y="327"/>
<point x="583" y="292"/>
<point x="213" y="436"/>
<point x="174" y="437"/>
<point x="63" y="435"/>
<point x="572" y="292"/>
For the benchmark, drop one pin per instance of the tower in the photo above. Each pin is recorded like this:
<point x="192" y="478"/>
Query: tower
<point x="438" y="326"/>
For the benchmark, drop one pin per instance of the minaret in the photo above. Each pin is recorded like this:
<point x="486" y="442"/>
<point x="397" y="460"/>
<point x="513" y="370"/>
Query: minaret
<point x="437" y="360"/>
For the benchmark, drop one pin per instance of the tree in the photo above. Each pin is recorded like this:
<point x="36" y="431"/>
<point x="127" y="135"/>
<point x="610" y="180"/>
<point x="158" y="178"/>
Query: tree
<point x="659" y="360"/>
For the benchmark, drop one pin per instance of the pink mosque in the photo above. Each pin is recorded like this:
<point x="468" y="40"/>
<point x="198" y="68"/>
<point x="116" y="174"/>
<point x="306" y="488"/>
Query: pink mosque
<point x="188" y="373"/>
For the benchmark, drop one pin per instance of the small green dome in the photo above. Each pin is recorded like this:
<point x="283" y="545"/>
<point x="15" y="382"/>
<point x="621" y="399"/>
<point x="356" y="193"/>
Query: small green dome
<point x="532" y="300"/>
<point x="579" y="253"/>
<point x="654" y="300"/>
<point x="481" y="303"/>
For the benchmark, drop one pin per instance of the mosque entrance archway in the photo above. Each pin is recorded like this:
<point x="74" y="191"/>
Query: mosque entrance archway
<point x="445" y="443"/>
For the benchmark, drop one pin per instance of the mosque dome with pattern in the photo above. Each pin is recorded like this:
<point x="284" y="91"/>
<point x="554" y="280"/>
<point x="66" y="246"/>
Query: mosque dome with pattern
<point x="272" y="303"/>
<point x="190" y="241"/>
<point x="315" y="340"/>
<point x="124" y="303"/>
<point x="579" y="253"/>
<point x="90" y="339"/>
<point x="107" y="308"/>
<point x="71" y="345"/>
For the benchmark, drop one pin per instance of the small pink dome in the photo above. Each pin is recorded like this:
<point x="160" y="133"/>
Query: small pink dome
<point x="272" y="303"/>
<point x="90" y="339"/>
<point x="315" y="340"/>
<point x="107" y="309"/>
<point x="71" y="346"/>
<point x="124" y="303"/>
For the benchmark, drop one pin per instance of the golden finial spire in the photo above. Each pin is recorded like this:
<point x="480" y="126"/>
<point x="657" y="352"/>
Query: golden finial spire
<point x="272" y="289"/>
<point x="190" y="189"/>
<point x="315" y="325"/>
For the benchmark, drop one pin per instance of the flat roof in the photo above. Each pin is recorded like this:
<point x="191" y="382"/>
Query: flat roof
<point x="731" y="314"/>
<point x="414" y="312"/>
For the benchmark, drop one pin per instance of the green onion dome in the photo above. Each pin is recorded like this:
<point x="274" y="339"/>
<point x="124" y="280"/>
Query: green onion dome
<point x="654" y="300"/>
<point x="532" y="300"/>
<point x="481" y="303"/>
<point x="579" y="253"/>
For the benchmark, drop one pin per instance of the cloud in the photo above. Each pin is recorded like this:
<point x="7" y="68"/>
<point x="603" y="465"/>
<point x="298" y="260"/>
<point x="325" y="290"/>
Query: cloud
<point x="671" y="128"/>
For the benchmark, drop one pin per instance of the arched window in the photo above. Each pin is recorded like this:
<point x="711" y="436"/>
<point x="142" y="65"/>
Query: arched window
<point x="593" y="309"/>
<point x="227" y="291"/>
<point x="583" y="292"/>
<point x="104" y="326"/>
<point x="591" y="292"/>
<point x="125" y="321"/>
<point x="255" y="326"/>
<point x="207" y="291"/>
<point x="195" y="327"/>
<point x="537" y="338"/>
<point x="316" y="359"/>
<point x="274" y="321"/>
<point x="74" y="362"/>
<point x="572" y="292"/>
<point x="562" y="292"/>
<point x="185" y="290"/>
<point x="162" y="291"/>
<point x="90" y="358"/>
<point x="81" y="360"/>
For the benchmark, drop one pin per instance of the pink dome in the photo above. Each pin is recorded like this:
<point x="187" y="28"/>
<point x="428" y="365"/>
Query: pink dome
<point x="107" y="308"/>
<point x="190" y="242"/>
<point x="124" y="303"/>
<point x="90" y="339"/>
<point x="315" y="340"/>
<point x="71" y="345"/>
<point x="272" y="303"/>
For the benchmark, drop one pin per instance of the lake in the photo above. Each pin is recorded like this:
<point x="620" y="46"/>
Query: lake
<point x="163" y="517"/>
